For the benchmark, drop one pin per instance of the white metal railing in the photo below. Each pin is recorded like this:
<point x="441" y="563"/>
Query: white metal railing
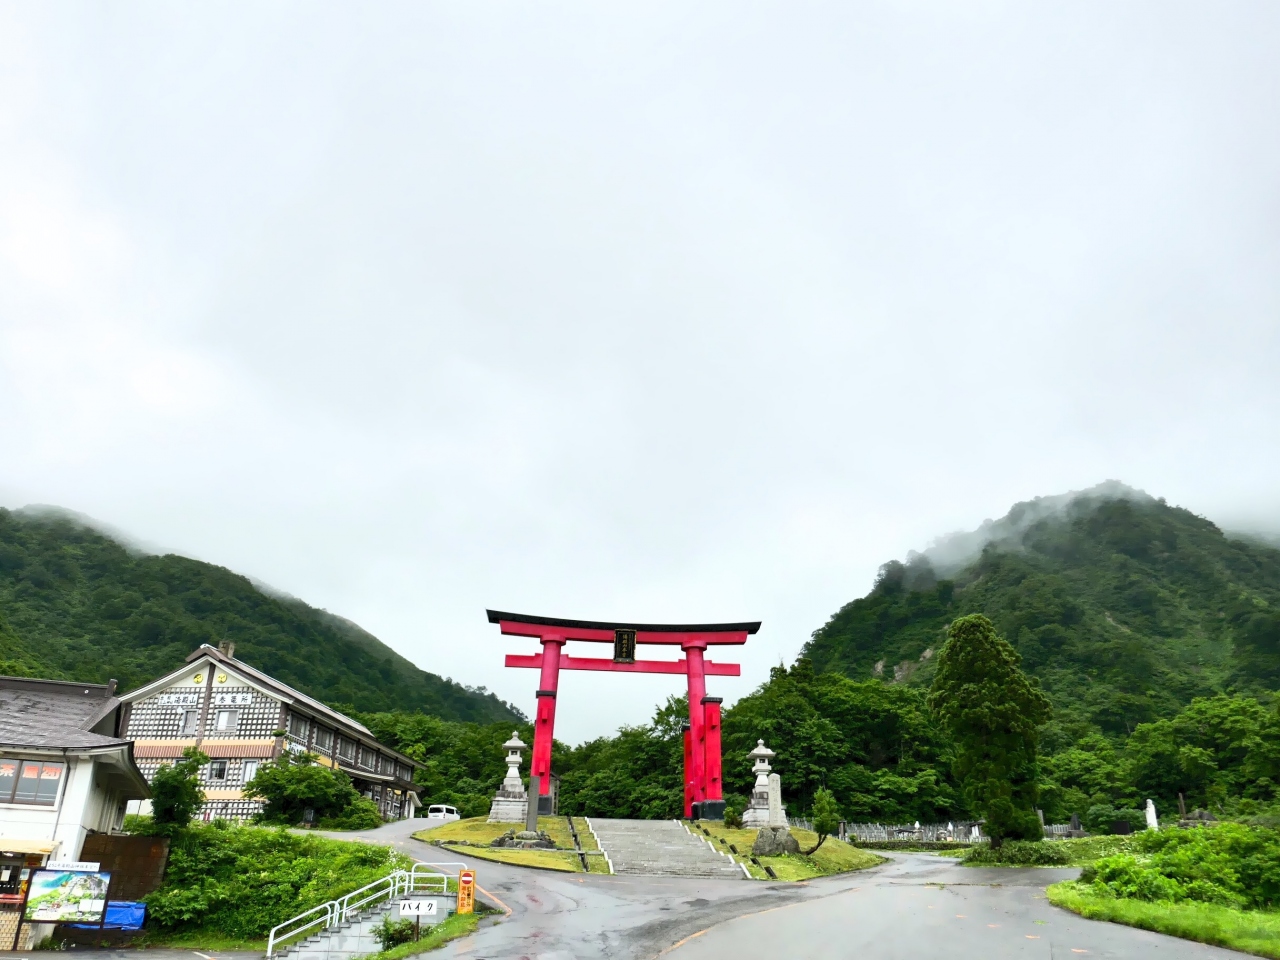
<point x="422" y="878"/>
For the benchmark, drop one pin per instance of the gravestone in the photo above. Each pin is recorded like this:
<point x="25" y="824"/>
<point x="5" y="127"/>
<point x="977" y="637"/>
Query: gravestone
<point x="1153" y="822"/>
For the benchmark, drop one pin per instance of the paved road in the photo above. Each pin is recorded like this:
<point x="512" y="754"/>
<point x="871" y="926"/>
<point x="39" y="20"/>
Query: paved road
<point x="917" y="907"/>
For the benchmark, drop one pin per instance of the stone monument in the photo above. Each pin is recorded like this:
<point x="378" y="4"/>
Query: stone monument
<point x="511" y="802"/>
<point x="765" y="811"/>
<point x="1153" y="822"/>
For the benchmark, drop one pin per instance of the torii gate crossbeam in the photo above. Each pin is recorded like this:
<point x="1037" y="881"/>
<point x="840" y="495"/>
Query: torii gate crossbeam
<point x="702" y="774"/>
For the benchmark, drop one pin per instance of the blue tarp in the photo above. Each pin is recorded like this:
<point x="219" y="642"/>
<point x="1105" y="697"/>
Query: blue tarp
<point x="121" y="915"/>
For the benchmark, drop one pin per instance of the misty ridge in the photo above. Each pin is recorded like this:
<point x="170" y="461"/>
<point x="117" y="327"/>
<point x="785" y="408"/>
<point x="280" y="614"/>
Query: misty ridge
<point x="951" y="553"/>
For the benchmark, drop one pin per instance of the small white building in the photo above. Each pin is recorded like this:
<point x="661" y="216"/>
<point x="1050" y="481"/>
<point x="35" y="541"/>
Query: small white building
<point x="65" y="772"/>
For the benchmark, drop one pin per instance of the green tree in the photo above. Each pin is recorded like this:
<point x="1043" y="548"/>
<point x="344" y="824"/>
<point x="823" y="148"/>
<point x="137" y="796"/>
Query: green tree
<point x="992" y="711"/>
<point x="294" y="783"/>
<point x="826" y="817"/>
<point x="176" y="793"/>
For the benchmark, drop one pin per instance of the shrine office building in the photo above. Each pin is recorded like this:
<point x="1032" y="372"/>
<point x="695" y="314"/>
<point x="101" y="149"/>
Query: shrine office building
<point x="241" y="718"/>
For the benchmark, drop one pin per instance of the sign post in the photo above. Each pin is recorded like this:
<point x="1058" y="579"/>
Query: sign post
<point x="467" y="891"/>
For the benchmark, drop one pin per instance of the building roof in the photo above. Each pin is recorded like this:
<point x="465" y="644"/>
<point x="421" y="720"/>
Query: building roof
<point x="288" y="692"/>
<point x="496" y="616"/>
<point x="55" y="714"/>
<point x="276" y="688"/>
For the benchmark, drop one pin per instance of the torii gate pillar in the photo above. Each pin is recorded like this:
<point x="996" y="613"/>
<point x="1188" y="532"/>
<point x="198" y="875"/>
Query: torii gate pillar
<point x="703" y="787"/>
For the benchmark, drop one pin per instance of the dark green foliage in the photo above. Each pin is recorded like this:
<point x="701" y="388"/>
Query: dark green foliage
<point x="825" y="816"/>
<point x="992" y="711"/>
<point x="391" y="933"/>
<point x="294" y="783"/>
<point x="875" y="747"/>
<point x="176" y="793"/>
<point x="1228" y="864"/>
<point x="733" y="809"/>
<point x="240" y="882"/>
<point x="76" y="604"/>
<point x="464" y="761"/>
<point x="1126" y="608"/>
<point x="1101" y="818"/>
<point x="361" y="815"/>
<point x="636" y="773"/>
<point x="1018" y="853"/>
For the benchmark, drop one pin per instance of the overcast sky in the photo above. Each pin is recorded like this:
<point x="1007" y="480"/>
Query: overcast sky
<point x="656" y="312"/>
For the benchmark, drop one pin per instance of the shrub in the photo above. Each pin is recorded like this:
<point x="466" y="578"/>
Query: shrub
<point x="294" y="783"/>
<point x="241" y="881"/>
<point x="1102" y="816"/>
<point x="1018" y="853"/>
<point x="361" y="815"/>
<point x="392" y="933"/>
<point x="733" y="814"/>
<point x="176" y="793"/>
<point x="1229" y="864"/>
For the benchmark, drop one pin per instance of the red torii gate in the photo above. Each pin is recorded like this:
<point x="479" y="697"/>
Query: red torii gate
<point x="702" y="784"/>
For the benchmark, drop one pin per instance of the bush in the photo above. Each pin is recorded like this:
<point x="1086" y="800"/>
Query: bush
<point x="1102" y="816"/>
<point x="1229" y="864"/>
<point x="392" y="933"/>
<point x="1018" y="853"/>
<point x="294" y="783"/>
<point x="361" y="815"/>
<point x="733" y="813"/>
<point x="176" y="793"/>
<point x="239" y="882"/>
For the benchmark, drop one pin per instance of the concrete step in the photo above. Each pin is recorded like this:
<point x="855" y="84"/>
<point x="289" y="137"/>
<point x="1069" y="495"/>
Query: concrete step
<point x="661" y="848"/>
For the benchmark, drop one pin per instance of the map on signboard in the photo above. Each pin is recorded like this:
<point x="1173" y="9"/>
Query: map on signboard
<point x="67" y="896"/>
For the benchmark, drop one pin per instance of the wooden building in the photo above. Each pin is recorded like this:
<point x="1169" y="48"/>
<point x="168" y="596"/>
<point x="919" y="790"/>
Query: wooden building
<point x="241" y="718"/>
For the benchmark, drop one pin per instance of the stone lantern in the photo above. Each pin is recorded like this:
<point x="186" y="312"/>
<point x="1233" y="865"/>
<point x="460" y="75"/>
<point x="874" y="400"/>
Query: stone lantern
<point x="765" y="812"/>
<point x="511" y="802"/>
<point x="757" y="812"/>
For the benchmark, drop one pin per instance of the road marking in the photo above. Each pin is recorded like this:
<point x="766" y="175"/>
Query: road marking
<point x="993" y="924"/>
<point x="199" y="954"/>
<point x="1033" y="936"/>
<point x="960" y="915"/>
<point x="1078" y="950"/>
<point x="495" y="899"/>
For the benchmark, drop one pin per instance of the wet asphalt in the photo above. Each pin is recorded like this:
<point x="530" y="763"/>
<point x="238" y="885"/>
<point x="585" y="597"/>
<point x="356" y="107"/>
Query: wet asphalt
<point x="914" y="907"/>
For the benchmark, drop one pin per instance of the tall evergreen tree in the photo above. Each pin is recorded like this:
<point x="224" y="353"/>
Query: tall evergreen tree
<point x="992" y="711"/>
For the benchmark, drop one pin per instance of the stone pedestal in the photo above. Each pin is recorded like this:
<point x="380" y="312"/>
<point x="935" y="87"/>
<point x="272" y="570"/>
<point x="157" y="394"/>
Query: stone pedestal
<point x="774" y="842"/>
<point x="511" y="802"/>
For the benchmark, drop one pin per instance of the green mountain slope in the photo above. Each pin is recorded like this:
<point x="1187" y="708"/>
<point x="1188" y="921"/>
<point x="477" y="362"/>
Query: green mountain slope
<point x="76" y="604"/>
<point x="1124" y="607"/>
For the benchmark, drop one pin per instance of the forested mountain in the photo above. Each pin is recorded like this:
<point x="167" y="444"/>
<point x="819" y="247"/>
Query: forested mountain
<point x="1124" y="607"/>
<point x="76" y="604"/>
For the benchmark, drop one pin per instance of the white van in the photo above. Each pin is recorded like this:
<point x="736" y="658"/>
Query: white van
<point x="439" y="811"/>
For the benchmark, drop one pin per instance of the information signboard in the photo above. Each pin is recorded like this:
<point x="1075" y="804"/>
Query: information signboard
<point x="66" y="896"/>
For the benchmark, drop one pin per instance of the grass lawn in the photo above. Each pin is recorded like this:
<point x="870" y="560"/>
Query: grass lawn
<point x="832" y="857"/>
<point x="584" y="834"/>
<point x="211" y="942"/>
<point x="479" y="830"/>
<point x="549" y="859"/>
<point x="458" y="925"/>
<point x="1252" y="931"/>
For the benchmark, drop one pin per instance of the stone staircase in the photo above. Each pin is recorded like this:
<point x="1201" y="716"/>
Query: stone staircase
<point x="661" y="848"/>
<point x="352" y="938"/>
